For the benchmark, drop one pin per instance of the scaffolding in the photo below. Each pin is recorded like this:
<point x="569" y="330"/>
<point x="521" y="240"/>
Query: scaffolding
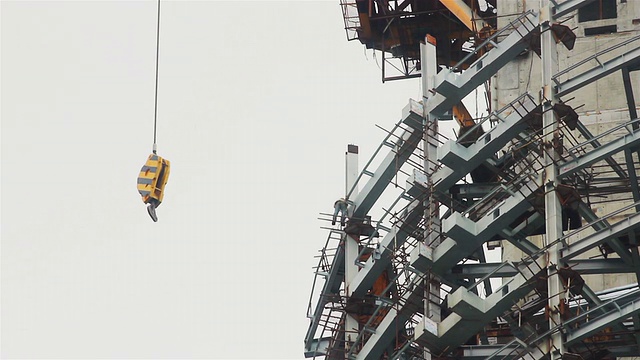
<point x="408" y="276"/>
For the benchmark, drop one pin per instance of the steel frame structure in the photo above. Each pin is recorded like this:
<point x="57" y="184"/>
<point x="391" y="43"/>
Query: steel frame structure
<point x="545" y="165"/>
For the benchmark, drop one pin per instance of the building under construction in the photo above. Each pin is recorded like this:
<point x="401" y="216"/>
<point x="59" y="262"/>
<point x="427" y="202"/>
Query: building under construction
<point x="548" y="180"/>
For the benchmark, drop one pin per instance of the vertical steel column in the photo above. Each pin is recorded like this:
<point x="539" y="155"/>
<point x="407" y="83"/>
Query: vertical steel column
<point x="351" y="249"/>
<point x="553" y="211"/>
<point x="628" y="153"/>
<point x="428" y="61"/>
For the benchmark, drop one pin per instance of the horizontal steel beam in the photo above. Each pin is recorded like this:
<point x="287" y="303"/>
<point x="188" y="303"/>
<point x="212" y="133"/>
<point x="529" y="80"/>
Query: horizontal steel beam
<point x="481" y="352"/>
<point x="472" y="190"/>
<point x="581" y="266"/>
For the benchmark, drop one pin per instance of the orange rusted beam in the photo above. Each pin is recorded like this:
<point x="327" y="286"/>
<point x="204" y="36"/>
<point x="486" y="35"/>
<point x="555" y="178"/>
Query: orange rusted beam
<point x="465" y="14"/>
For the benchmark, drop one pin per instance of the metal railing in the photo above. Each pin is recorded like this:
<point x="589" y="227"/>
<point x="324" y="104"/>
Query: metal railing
<point x="492" y="40"/>
<point x="593" y="57"/>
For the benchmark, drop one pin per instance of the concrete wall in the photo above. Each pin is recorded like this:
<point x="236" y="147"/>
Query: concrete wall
<point x="601" y="105"/>
<point x="606" y="94"/>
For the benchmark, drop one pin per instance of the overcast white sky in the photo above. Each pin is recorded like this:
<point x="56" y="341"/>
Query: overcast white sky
<point x="257" y="102"/>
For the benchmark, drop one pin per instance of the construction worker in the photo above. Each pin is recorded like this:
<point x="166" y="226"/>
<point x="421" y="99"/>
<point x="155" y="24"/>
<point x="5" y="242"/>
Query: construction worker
<point x="340" y="206"/>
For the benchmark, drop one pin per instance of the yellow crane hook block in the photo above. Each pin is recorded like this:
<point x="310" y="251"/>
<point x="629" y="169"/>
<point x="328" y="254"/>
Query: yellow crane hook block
<point x="151" y="182"/>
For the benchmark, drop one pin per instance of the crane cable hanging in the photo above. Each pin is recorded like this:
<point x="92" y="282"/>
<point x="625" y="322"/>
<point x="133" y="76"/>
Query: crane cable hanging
<point x="155" y="172"/>
<point x="155" y="110"/>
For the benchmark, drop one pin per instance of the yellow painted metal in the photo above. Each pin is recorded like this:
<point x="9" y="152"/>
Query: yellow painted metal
<point x="465" y="14"/>
<point x="462" y="115"/>
<point x="153" y="178"/>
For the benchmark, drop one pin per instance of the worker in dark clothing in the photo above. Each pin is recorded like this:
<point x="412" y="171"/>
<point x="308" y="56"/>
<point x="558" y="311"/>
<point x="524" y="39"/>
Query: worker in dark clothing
<point x="340" y="206"/>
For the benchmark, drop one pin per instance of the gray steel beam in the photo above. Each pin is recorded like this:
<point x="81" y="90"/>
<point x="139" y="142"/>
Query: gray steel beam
<point x="596" y="144"/>
<point x="576" y="82"/>
<point x="446" y="177"/>
<point x="451" y="88"/>
<point x="476" y="271"/>
<point x="602" y="224"/>
<point x="587" y="213"/>
<point x="471" y="313"/>
<point x="572" y="166"/>
<point x="581" y="266"/>
<point x="472" y="190"/>
<point x="386" y="331"/>
<point x="481" y="352"/>
<point x="597" y="238"/>
<point x="373" y="268"/>
<point x="633" y="114"/>
<point x="331" y="286"/>
<point x="433" y="229"/>
<point x="600" y="266"/>
<point x="350" y="243"/>
<point x="454" y="154"/>
<point x="593" y="326"/>
<point x="568" y="6"/>
<point x="518" y="236"/>
<point x="633" y="177"/>
<point x="595" y="302"/>
<point x="412" y="116"/>
<point x="318" y="347"/>
<point x="628" y="90"/>
<point x="465" y="236"/>
<point x="383" y="336"/>
<point x="552" y="208"/>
